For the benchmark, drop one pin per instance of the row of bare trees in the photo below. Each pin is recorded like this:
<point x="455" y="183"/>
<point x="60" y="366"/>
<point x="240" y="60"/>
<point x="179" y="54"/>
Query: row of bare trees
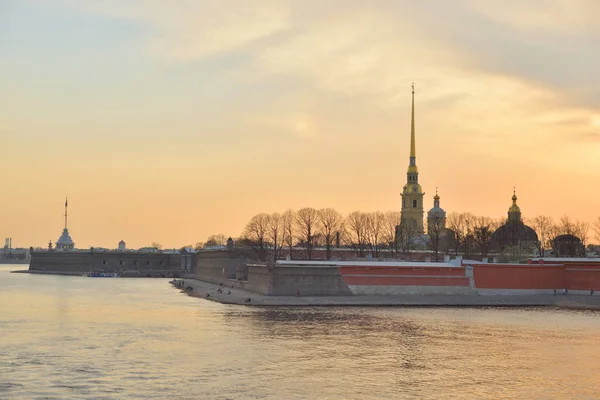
<point x="298" y="233"/>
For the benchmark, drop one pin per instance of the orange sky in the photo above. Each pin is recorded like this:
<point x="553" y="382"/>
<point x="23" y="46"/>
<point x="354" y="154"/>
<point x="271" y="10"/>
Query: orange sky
<point x="170" y="122"/>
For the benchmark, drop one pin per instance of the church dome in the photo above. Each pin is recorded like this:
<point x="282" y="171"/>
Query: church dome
<point x="436" y="211"/>
<point x="514" y="232"/>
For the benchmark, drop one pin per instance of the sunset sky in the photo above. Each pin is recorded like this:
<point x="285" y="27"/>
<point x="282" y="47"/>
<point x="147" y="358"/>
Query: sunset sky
<point x="168" y="121"/>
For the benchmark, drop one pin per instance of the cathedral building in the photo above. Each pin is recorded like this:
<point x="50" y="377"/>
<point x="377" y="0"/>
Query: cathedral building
<point x="514" y="233"/>
<point x="412" y="193"/>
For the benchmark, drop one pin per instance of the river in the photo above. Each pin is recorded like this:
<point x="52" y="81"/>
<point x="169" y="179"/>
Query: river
<point x="116" y="338"/>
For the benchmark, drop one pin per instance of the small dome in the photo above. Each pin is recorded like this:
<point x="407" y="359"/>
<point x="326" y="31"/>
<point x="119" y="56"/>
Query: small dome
<point x="436" y="212"/>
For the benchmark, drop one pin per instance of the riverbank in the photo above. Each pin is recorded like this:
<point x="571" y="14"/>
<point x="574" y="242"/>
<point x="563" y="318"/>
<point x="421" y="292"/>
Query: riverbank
<point x="67" y="273"/>
<point x="229" y="295"/>
<point x="126" y="274"/>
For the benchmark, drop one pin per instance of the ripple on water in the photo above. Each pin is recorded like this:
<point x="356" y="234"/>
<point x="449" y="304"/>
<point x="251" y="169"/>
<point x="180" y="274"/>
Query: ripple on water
<point x="151" y="343"/>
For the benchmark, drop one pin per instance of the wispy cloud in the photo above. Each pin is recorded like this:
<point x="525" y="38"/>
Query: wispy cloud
<point x="191" y="30"/>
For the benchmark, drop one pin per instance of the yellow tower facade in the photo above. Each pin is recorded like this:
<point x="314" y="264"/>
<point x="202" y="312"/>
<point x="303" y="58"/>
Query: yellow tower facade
<point x="412" y="193"/>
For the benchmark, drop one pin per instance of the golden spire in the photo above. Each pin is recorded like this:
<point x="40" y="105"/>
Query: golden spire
<point x="413" y="153"/>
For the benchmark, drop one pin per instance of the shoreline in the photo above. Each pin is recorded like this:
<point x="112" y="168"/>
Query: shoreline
<point x="75" y="273"/>
<point x="233" y="296"/>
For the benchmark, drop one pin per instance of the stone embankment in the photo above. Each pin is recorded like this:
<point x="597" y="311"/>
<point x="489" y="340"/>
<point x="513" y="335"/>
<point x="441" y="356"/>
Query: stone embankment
<point x="226" y="294"/>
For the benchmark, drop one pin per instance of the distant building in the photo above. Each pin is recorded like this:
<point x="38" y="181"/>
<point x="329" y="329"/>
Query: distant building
<point x="568" y="245"/>
<point x="148" y="250"/>
<point x="65" y="243"/>
<point x="122" y="246"/>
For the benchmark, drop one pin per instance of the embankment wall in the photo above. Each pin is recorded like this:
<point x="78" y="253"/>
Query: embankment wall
<point x="221" y="265"/>
<point x="294" y="280"/>
<point x="78" y="262"/>
<point x="406" y="279"/>
<point x="322" y="278"/>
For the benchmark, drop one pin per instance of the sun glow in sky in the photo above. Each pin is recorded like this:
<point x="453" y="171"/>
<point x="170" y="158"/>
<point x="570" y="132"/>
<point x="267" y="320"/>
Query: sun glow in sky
<point x="169" y="121"/>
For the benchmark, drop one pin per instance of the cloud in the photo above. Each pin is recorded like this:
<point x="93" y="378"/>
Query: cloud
<point x="589" y="137"/>
<point x="485" y="69"/>
<point x="191" y="30"/>
<point x="301" y="125"/>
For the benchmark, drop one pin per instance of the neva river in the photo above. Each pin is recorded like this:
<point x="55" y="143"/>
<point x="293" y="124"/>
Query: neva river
<point x="102" y="338"/>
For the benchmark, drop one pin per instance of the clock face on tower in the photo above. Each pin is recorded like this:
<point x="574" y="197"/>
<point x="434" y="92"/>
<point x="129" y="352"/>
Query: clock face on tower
<point x="415" y="189"/>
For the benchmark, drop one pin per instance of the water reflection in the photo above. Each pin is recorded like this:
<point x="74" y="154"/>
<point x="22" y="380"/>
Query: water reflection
<point x="88" y="338"/>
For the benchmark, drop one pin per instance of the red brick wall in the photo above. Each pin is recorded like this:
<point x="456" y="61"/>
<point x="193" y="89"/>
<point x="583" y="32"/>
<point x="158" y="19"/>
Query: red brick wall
<point x="404" y="276"/>
<point x="498" y="276"/>
<point x="582" y="278"/>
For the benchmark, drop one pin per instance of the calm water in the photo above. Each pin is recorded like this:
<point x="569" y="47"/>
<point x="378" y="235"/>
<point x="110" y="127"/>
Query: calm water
<point x="86" y="338"/>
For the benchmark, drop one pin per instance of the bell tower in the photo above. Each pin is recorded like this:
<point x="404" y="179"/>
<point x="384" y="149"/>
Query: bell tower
<point x="412" y="193"/>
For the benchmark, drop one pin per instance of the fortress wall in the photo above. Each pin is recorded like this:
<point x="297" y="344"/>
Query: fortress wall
<point x="582" y="279"/>
<point x="218" y="266"/>
<point x="288" y="280"/>
<point x="401" y="271"/>
<point x="153" y="264"/>
<point x="259" y="279"/>
<point x="75" y="262"/>
<point x="391" y="290"/>
<point x="406" y="279"/>
<point x="526" y="276"/>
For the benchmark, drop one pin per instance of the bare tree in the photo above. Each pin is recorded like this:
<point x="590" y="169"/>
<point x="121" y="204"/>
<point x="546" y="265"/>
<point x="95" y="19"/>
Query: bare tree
<point x="289" y="223"/>
<point x="454" y="222"/>
<point x="437" y="233"/>
<point x="306" y="222"/>
<point x="156" y="245"/>
<point x="597" y="230"/>
<point x="468" y="233"/>
<point x="275" y="234"/>
<point x="330" y="222"/>
<point x="255" y="234"/>
<point x="483" y="229"/>
<point x="406" y="233"/>
<point x="582" y="229"/>
<point x="215" y="240"/>
<point x="375" y="227"/>
<point x="356" y="222"/>
<point x="544" y="227"/>
<point x="390" y="226"/>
